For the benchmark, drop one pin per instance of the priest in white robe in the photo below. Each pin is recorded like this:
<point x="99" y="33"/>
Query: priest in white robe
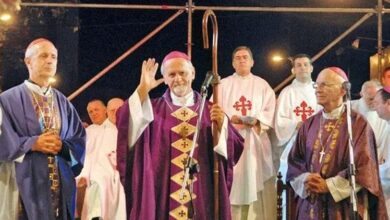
<point x="104" y="196"/>
<point x="382" y="107"/>
<point x="295" y="104"/>
<point x="9" y="194"/>
<point x="97" y="111"/>
<point x="366" y="106"/>
<point x="249" y="102"/>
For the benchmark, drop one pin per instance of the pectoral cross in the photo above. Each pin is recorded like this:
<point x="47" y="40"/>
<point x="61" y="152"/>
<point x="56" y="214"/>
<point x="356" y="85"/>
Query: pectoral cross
<point x="322" y="153"/>
<point x="311" y="213"/>
<point x="330" y="126"/>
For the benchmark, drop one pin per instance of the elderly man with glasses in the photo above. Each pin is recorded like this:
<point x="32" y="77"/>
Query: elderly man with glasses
<point x="318" y="163"/>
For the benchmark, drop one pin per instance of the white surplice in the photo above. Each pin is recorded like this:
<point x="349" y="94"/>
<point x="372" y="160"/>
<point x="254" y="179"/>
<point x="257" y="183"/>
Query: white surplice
<point x="296" y="103"/>
<point x="250" y="96"/>
<point x="104" y="196"/>
<point x="378" y="125"/>
<point x="384" y="169"/>
<point x="9" y="193"/>
<point x="142" y="114"/>
<point x="381" y="130"/>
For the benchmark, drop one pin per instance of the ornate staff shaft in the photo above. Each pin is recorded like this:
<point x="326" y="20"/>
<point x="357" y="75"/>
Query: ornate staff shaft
<point x="210" y="14"/>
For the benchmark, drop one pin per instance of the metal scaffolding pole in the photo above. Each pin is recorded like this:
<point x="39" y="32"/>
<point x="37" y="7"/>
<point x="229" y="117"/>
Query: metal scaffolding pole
<point x="190" y="7"/>
<point x="289" y="9"/>
<point x="327" y="48"/>
<point x="124" y="55"/>
<point x="103" y="6"/>
<point x="189" y="31"/>
<point x="380" y="46"/>
<point x="204" y="8"/>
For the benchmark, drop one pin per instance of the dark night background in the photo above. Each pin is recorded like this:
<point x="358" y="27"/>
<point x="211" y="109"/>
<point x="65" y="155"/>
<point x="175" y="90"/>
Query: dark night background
<point x="90" y="39"/>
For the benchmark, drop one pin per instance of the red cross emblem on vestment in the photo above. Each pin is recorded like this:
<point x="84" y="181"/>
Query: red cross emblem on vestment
<point x="303" y="110"/>
<point x="242" y="104"/>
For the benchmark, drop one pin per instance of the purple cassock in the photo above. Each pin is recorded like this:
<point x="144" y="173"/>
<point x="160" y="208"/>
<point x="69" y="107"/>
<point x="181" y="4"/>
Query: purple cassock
<point x="305" y="156"/>
<point x="19" y="132"/>
<point x="152" y="170"/>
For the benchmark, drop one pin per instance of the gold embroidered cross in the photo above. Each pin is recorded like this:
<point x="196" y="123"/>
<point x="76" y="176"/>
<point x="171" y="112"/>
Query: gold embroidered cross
<point x="184" y="131"/>
<point x="182" y="213"/>
<point x="184" y="144"/>
<point x="329" y="127"/>
<point x="184" y="113"/>
<point x="184" y="161"/>
<point x="184" y="197"/>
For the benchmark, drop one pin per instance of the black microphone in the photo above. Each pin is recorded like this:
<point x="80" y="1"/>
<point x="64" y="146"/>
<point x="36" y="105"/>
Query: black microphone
<point x="207" y="80"/>
<point x="347" y="86"/>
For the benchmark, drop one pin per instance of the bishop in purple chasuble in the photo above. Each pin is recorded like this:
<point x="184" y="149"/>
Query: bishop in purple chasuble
<point x="326" y="152"/>
<point x="152" y="170"/>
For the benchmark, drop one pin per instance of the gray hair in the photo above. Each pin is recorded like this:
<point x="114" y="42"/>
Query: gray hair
<point x="31" y="49"/>
<point x="371" y="83"/>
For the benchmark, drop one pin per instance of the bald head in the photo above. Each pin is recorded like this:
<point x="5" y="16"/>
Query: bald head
<point x="112" y="106"/>
<point x="329" y="89"/>
<point x="331" y="77"/>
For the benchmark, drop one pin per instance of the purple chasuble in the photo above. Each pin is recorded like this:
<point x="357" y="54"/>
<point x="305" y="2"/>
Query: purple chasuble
<point x="152" y="169"/>
<point x="22" y="129"/>
<point x="305" y="156"/>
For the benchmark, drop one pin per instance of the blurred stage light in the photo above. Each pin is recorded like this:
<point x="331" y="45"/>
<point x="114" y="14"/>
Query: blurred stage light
<point x="277" y="58"/>
<point x="5" y="17"/>
<point x="8" y="8"/>
<point x="52" y="80"/>
<point x="10" y="5"/>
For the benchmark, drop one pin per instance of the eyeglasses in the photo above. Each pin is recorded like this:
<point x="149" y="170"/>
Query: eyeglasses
<point x="322" y="85"/>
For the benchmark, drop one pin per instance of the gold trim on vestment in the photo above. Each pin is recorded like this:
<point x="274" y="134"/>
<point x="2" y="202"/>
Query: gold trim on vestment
<point x="184" y="144"/>
<point x="186" y="197"/>
<point x="181" y="160"/>
<point x="179" y="213"/>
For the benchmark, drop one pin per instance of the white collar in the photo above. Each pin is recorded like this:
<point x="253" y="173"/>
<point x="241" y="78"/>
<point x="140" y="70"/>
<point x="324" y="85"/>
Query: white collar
<point x="108" y="123"/>
<point x="242" y="77"/>
<point x="43" y="91"/>
<point x="334" y="114"/>
<point x="301" y="84"/>
<point x="187" y="100"/>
